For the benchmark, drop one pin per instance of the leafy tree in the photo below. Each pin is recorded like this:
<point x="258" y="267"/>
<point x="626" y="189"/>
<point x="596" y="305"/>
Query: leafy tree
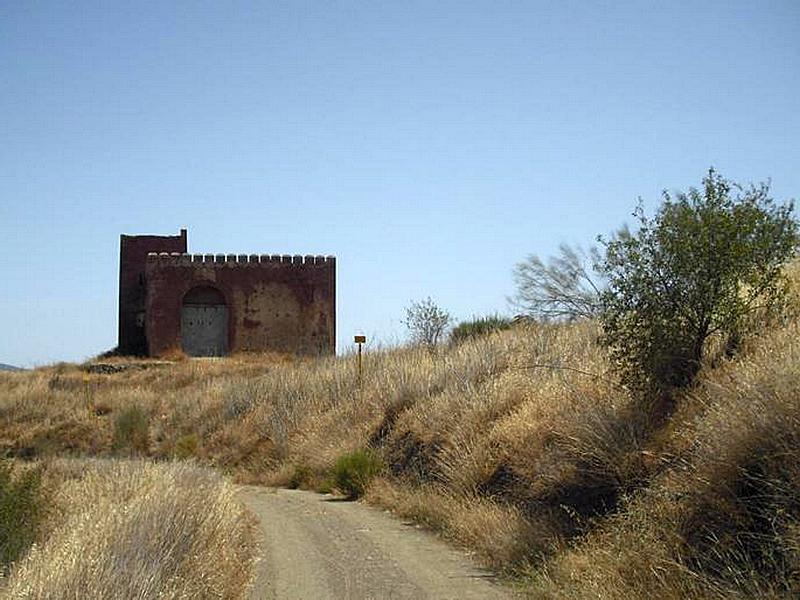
<point x="701" y="268"/>
<point x="426" y="322"/>
<point x="566" y="287"/>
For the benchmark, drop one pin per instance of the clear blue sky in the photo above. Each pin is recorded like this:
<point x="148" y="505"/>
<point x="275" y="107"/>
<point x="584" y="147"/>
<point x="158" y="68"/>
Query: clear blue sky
<point x="428" y="145"/>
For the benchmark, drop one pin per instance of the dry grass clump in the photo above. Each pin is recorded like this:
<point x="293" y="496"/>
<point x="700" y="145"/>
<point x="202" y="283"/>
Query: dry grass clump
<point x="553" y="436"/>
<point x="121" y="529"/>
<point x="498" y="534"/>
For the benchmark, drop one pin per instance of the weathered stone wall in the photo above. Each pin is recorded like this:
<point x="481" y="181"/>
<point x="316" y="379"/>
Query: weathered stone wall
<point x="133" y="251"/>
<point x="277" y="303"/>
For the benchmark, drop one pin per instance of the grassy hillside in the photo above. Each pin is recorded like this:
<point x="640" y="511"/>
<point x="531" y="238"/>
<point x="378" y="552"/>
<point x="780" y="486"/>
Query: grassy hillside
<point x="519" y="445"/>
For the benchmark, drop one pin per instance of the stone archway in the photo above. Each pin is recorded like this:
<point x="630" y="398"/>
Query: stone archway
<point x="204" y="322"/>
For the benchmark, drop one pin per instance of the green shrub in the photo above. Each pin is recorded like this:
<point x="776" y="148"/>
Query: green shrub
<point x="186" y="446"/>
<point x="20" y="512"/>
<point x="703" y="267"/>
<point x="301" y="476"/>
<point x="353" y="472"/>
<point x="132" y="431"/>
<point x="477" y="327"/>
<point x="324" y="486"/>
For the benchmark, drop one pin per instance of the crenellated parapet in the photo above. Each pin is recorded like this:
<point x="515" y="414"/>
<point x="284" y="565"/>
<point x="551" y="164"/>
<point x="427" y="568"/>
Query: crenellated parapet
<point x="174" y="259"/>
<point x="213" y="304"/>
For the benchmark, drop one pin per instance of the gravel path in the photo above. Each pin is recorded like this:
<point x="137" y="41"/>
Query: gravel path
<point x="319" y="548"/>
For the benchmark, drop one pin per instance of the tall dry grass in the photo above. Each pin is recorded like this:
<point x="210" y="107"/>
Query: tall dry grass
<point x="519" y="445"/>
<point x="131" y="529"/>
<point x="722" y="519"/>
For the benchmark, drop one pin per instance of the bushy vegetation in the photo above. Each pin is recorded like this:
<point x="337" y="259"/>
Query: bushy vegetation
<point x="187" y="446"/>
<point x="472" y="328"/>
<point x="301" y="477"/>
<point x="704" y="267"/>
<point x="706" y="270"/>
<point x="21" y="511"/>
<point x="354" y="471"/>
<point x="427" y="322"/>
<point x="132" y="431"/>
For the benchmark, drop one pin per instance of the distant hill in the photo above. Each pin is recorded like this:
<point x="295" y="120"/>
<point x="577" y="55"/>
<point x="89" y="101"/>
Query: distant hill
<point x="5" y="367"/>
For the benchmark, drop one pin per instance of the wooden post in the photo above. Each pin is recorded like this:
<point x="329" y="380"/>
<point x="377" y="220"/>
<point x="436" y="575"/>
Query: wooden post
<point x="360" y="339"/>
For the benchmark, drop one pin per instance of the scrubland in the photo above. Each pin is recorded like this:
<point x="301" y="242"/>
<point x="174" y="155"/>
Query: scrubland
<point x="519" y="445"/>
<point x="133" y="529"/>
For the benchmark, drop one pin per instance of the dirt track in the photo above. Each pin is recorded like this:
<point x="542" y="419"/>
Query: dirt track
<point x="318" y="548"/>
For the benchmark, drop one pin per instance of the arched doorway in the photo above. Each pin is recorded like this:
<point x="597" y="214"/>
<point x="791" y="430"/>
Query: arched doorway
<point x="204" y="322"/>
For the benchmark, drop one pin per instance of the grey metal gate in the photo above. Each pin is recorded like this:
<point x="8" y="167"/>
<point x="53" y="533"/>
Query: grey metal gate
<point x="204" y="329"/>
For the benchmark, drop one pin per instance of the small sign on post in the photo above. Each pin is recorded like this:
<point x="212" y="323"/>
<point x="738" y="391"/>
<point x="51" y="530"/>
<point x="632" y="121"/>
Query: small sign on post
<point x="360" y="339"/>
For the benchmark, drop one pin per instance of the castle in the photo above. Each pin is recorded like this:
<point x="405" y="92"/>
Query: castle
<point x="214" y="305"/>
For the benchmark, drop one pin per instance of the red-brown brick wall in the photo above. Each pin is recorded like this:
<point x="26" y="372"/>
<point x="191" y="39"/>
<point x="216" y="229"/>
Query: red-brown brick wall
<point x="133" y="251"/>
<point x="275" y="303"/>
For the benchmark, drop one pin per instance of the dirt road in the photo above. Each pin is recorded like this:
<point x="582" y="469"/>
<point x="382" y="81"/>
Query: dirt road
<point x="318" y="548"/>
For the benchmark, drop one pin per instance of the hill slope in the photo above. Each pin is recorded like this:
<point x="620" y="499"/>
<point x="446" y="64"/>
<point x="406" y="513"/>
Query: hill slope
<point x="520" y="446"/>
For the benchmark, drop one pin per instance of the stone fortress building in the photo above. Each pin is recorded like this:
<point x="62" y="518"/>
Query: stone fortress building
<point x="214" y="305"/>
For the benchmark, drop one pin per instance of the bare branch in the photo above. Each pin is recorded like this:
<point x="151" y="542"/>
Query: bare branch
<point x="567" y="287"/>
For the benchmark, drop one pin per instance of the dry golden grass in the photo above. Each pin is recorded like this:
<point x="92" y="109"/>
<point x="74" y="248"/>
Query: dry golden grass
<point x="497" y="533"/>
<point x="722" y="519"/>
<point x="132" y="529"/>
<point x="519" y="445"/>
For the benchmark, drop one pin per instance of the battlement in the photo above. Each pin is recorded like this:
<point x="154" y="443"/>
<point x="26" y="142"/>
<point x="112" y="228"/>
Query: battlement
<point x="176" y="259"/>
<point x="219" y="304"/>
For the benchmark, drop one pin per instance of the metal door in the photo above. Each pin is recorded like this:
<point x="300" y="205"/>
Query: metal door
<point x="204" y="329"/>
